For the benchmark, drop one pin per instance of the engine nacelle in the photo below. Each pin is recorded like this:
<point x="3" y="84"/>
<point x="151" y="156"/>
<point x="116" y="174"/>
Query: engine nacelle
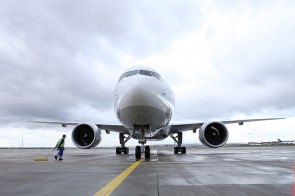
<point x="213" y="134"/>
<point x="86" y="136"/>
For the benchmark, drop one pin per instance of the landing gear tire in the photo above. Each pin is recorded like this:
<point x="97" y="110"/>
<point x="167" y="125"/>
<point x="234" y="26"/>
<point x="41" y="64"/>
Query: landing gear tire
<point x="118" y="150"/>
<point x="147" y="152"/>
<point x="183" y="150"/>
<point x="126" y="150"/>
<point x="175" y="150"/>
<point x="137" y="152"/>
<point x="123" y="140"/>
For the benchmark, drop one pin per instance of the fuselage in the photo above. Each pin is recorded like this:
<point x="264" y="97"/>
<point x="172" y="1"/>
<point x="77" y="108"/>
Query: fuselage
<point x="144" y="103"/>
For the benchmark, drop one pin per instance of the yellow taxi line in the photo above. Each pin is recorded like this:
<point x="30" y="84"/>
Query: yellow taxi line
<point x="167" y="162"/>
<point x="111" y="186"/>
<point x="143" y="162"/>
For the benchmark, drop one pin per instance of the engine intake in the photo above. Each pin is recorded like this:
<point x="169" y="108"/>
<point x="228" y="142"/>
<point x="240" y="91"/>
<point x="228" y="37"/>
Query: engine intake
<point x="86" y="136"/>
<point x="213" y="134"/>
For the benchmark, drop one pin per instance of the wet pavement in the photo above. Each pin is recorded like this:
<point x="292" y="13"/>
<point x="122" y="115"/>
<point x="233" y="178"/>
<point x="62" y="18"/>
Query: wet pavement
<point x="202" y="171"/>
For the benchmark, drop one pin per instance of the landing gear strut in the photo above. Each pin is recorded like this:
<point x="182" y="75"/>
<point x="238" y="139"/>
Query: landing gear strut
<point x="178" y="140"/>
<point x="123" y="140"/>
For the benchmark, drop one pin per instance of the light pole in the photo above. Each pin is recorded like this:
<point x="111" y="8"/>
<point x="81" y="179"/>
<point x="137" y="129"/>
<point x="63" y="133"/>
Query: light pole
<point x="23" y="140"/>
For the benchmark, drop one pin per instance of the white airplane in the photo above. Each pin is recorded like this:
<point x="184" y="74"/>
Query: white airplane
<point x="144" y="104"/>
<point x="279" y="141"/>
<point x="286" y="141"/>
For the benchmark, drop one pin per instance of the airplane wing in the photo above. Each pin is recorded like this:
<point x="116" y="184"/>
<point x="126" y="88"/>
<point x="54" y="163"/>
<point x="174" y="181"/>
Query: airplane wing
<point x="175" y="128"/>
<point x="107" y="128"/>
<point x="114" y="128"/>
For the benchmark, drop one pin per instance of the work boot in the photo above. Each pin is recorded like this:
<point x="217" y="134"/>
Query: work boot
<point x="55" y="157"/>
<point x="60" y="159"/>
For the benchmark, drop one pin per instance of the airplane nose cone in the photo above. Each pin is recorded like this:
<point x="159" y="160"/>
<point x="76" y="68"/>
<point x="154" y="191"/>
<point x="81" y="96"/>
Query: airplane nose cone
<point x="142" y="107"/>
<point x="136" y="97"/>
<point x="139" y="93"/>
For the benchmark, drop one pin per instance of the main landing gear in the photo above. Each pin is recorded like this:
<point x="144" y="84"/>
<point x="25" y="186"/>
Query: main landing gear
<point x="178" y="140"/>
<point x="123" y="140"/>
<point x="145" y="149"/>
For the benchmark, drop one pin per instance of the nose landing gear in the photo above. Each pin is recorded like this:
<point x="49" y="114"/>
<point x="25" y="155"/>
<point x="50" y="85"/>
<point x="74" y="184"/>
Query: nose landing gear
<point x="147" y="152"/>
<point x="145" y="149"/>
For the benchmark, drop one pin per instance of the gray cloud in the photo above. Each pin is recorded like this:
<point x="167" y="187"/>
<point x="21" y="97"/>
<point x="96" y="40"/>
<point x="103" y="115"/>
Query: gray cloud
<point x="57" y="55"/>
<point x="60" y="60"/>
<point x="253" y="64"/>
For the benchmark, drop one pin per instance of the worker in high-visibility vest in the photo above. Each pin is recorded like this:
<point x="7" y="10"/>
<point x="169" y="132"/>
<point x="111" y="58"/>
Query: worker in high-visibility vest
<point x="60" y="146"/>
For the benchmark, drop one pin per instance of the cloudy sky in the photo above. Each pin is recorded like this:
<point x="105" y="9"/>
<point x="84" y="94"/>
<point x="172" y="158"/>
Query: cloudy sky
<point x="60" y="60"/>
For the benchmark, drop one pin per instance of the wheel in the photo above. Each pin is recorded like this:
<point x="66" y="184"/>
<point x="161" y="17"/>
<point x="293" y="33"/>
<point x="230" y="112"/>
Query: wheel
<point x="137" y="152"/>
<point x="175" y="150"/>
<point x="126" y="150"/>
<point x="147" y="152"/>
<point x="118" y="150"/>
<point x="183" y="150"/>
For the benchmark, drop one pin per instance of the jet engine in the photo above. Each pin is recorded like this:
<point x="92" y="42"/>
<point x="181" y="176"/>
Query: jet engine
<point x="213" y="134"/>
<point x="86" y="136"/>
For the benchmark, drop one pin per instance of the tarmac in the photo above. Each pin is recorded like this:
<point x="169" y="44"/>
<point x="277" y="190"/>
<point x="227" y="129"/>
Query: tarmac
<point x="202" y="171"/>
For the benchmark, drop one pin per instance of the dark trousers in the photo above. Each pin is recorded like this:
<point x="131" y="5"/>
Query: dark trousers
<point x="60" y="152"/>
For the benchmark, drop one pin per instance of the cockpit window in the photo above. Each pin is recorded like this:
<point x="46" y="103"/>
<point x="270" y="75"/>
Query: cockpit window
<point x="141" y="72"/>
<point x="156" y="75"/>
<point x="129" y="73"/>
<point x="144" y="72"/>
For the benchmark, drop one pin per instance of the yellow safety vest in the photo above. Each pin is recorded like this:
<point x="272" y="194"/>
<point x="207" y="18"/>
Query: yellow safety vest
<point x="62" y="145"/>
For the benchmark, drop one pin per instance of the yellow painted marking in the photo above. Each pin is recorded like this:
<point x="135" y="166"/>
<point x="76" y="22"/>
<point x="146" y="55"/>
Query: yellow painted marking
<point x="110" y="163"/>
<point x="168" y="162"/>
<point x="111" y="186"/>
<point x="143" y="162"/>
